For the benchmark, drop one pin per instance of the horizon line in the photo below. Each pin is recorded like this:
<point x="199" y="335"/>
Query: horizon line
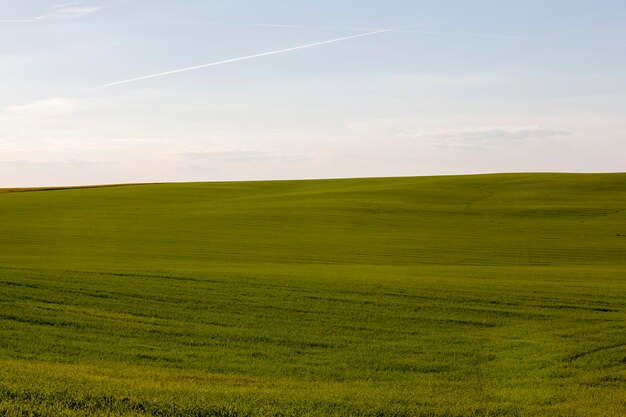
<point x="138" y="184"/>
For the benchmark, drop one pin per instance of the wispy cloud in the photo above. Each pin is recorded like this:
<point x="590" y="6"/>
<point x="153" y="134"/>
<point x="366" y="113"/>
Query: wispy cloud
<point x="482" y="136"/>
<point x="71" y="163"/>
<point x="63" y="5"/>
<point x="72" y="12"/>
<point x="243" y="155"/>
<point x="273" y="25"/>
<point x="263" y="25"/>
<point x="50" y="107"/>
<point x="17" y="20"/>
<point x="42" y="120"/>
<point x="63" y="11"/>
<point x="67" y="11"/>
<point x="213" y="64"/>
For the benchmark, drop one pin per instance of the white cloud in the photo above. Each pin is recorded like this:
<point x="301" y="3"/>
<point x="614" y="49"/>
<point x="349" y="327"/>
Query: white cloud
<point x="483" y="136"/>
<point x="243" y="155"/>
<point x="50" y="107"/>
<point x="63" y="5"/>
<point x="48" y="120"/>
<point x="71" y="163"/>
<point x="64" y="12"/>
<point x="17" y="21"/>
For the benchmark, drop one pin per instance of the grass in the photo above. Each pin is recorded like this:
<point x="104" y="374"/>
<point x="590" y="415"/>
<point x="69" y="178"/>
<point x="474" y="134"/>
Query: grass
<point x="493" y="295"/>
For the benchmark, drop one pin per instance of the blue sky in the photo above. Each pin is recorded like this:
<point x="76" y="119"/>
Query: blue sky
<point x="456" y="87"/>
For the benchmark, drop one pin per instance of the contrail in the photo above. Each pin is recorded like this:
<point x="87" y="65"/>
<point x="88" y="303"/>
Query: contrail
<point x="397" y="30"/>
<point x="510" y="37"/>
<point x="213" y="64"/>
<point x="266" y="25"/>
<point x="18" y="21"/>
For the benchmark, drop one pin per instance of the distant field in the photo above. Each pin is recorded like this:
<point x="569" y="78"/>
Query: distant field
<point x="490" y="295"/>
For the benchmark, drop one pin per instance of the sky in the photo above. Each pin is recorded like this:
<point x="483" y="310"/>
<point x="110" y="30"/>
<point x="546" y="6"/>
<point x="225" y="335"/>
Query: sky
<point x="119" y="91"/>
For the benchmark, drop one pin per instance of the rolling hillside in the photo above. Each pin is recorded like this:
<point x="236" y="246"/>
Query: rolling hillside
<point x="428" y="296"/>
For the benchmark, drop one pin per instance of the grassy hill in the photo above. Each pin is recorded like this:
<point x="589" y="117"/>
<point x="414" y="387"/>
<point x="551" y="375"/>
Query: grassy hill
<point x="490" y="295"/>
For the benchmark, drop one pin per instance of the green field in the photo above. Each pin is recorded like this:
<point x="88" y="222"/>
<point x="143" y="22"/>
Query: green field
<point x="489" y="295"/>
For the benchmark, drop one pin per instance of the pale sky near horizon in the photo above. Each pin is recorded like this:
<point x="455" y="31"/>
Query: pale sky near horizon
<point x="459" y="87"/>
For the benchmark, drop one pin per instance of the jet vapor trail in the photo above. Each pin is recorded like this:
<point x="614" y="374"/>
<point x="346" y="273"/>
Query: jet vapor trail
<point x="213" y="64"/>
<point x="397" y="30"/>
<point x="510" y="37"/>
<point x="265" y="25"/>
